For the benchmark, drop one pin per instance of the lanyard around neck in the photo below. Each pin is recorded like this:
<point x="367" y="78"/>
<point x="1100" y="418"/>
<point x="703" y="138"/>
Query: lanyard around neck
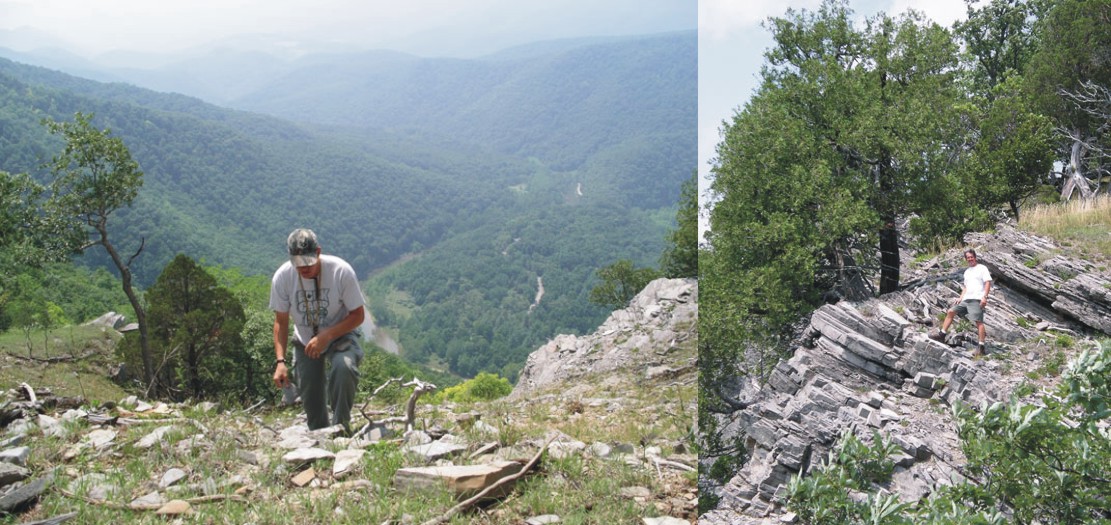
<point x="312" y="314"/>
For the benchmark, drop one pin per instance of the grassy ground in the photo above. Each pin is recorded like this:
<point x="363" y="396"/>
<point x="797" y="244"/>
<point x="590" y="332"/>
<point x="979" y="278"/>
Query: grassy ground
<point x="35" y="359"/>
<point x="1083" y="225"/>
<point x="581" y="489"/>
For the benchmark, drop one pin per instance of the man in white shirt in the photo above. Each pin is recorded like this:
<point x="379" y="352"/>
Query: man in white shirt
<point x="973" y="300"/>
<point x="322" y="296"/>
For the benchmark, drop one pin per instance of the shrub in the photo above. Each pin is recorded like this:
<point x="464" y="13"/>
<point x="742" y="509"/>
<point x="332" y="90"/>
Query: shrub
<point x="483" y="387"/>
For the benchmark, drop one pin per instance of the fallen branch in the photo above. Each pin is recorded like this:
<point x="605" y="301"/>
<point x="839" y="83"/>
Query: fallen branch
<point x="53" y="521"/>
<point x="485" y="492"/>
<point x="255" y="406"/>
<point x="155" y="506"/>
<point x="29" y="392"/>
<point x="134" y="421"/>
<point x="419" y="388"/>
<point x="673" y="464"/>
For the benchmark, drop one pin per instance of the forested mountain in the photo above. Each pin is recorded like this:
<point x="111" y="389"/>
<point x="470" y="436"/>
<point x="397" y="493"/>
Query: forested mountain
<point x="467" y="179"/>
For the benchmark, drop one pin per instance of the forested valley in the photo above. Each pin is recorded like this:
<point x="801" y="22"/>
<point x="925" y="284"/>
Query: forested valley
<point x="455" y="213"/>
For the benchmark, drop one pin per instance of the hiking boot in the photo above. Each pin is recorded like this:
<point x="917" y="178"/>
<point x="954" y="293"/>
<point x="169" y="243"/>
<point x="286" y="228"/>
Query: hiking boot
<point x="938" y="336"/>
<point x="980" y="351"/>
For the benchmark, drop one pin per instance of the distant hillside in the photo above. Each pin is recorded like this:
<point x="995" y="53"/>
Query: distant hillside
<point x="563" y="106"/>
<point x="565" y="161"/>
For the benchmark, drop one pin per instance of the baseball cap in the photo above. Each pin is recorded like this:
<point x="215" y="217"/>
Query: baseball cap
<point x="302" y="247"/>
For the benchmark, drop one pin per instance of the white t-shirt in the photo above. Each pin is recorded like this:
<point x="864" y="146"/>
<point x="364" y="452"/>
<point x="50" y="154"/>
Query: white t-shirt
<point x="974" y="279"/>
<point x="339" y="295"/>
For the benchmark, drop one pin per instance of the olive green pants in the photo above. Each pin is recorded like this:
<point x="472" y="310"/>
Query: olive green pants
<point x="335" y="372"/>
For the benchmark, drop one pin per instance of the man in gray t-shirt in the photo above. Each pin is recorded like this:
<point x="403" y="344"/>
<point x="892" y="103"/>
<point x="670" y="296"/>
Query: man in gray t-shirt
<point x="321" y="294"/>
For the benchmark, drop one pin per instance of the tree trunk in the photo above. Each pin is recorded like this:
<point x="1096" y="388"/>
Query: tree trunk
<point x="889" y="257"/>
<point x="140" y="314"/>
<point x="1074" y="172"/>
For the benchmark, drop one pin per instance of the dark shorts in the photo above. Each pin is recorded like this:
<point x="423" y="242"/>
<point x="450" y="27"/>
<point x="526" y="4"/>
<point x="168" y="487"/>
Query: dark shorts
<point x="970" y="310"/>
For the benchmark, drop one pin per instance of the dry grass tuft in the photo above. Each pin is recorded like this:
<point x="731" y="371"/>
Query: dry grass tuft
<point x="1084" y="223"/>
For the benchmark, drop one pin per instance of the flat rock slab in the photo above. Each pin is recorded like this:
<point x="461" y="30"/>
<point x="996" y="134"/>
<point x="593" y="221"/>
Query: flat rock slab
<point x="307" y="455"/>
<point x="24" y="496"/>
<point x="16" y="456"/>
<point x="346" y="460"/>
<point x="154" y="437"/>
<point x="436" y="450"/>
<point x="175" y="507"/>
<point x="304" y="477"/>
<point x="464" y="481"/>
<point x="665" y="520"/>
<point x="11" y="473"/>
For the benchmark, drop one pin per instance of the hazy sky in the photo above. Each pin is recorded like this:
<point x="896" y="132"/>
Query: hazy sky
<point x="427" y="27"/>
<point x="731" y="45"/>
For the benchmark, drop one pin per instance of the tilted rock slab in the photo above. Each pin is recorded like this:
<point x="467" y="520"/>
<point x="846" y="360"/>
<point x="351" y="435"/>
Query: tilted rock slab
<point x="464" y="481"/>
<point x="656" y="318"/>
<point x="866" y="367"/>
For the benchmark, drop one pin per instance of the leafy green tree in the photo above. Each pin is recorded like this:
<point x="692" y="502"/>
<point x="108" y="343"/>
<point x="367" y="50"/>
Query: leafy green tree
<point x="1009" y="157"/>
<point x="28" y="237"/>
<point x="1009" y="145"/>
<point x="851" y="130"/>
<point x="27" y="308"/>
<point x="621" y="281"/>
<point x="92" y="178"/>
<point x="680" y="257"/>
<point x="1000" y="38"/>
<point x="1071" y="63"/>
<point x="196" y="328"/>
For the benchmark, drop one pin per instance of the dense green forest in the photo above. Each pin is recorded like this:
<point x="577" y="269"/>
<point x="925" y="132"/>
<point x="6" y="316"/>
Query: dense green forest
<point x="422" y="209"/>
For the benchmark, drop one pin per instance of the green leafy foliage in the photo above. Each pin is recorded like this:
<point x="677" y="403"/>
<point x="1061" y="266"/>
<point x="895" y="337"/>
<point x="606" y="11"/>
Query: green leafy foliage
<point x="680" y="257"/>
<point x="621" y="281"/>
<point x="825" y="496"/>
<point x="1048" y="462"/>
<point x="482" y="387"/>
<point x="196" y="337"/>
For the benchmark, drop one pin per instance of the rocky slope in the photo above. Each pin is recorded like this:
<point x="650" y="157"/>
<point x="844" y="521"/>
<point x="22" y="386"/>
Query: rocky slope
<point x="614" y="413"/>
<point x="869" y="366"/>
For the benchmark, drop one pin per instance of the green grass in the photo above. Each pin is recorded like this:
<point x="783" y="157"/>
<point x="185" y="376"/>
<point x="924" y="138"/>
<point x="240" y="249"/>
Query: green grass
<point x="89" y="349"/>
<point x="580" y="489"/>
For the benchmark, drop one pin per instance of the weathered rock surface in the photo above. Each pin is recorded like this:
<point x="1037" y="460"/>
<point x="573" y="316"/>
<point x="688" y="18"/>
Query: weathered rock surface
<point x="463" y="480"/>
<point x="636" y="338"/>
<point x="870" y="367"/>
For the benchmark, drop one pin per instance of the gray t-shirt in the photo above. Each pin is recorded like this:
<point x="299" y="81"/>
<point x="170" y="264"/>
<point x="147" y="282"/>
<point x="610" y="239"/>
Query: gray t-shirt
<point x="339" y="295"/>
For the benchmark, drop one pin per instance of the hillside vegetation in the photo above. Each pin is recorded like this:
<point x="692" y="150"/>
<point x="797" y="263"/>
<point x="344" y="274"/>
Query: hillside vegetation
<point x="593" y="179"/>
<point x="612" y="446"/>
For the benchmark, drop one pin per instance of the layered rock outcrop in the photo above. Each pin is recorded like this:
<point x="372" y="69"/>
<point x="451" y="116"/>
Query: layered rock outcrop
<point x="639" y="337"/>
<point x="870" y="367"/>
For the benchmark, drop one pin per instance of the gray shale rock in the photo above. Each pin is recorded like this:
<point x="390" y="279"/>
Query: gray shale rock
<point x="658" y="317"/>
<point x="870" y="367"/>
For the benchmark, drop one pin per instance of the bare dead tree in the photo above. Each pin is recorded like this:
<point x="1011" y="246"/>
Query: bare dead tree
<point x="1087" y="164"/>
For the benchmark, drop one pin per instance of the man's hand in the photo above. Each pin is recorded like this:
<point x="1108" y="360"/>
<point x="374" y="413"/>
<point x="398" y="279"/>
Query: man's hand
<point x="317" y="345"/>
<point x="983" y="302"/>
<point x="281" y="375"/>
